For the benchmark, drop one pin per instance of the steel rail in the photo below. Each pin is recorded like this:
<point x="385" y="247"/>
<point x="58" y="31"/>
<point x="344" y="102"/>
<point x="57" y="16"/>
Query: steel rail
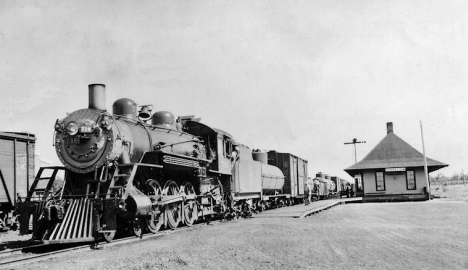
<point x="14" y="262"/>
<point x="18" y="250"/>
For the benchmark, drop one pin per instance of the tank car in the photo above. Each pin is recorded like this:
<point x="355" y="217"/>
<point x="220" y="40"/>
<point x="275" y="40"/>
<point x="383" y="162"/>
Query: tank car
<point x="125" y="174"/>
<point x="255" y="185"/>
<point x="323" y="186"/>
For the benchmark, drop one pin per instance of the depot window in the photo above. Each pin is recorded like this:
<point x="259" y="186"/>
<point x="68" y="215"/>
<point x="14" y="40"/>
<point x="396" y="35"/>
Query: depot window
<point x="410" y="180"/>
<point x="379" y="181"/>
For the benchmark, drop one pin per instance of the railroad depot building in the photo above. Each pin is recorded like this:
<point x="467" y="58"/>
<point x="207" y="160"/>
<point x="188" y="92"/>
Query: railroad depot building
<point x="392" y="171"/>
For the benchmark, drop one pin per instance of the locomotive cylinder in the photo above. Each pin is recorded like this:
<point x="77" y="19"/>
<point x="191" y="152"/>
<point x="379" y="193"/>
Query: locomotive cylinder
<point x="138" y="205"/>
<point x="97" y="96"/>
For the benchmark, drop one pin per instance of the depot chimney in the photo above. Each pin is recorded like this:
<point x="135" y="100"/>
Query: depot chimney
<point x="97" y="96"/>
<point x="389" y="127"/>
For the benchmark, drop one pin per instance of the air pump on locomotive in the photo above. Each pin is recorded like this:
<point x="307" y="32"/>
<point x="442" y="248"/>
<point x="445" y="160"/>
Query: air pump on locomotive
<point x="122" y="173"/>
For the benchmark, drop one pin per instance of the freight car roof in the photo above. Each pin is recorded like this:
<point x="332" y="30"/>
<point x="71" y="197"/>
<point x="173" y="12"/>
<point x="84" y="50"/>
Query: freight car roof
<point x="274" y="151"/>
<point x="17" y="135"/>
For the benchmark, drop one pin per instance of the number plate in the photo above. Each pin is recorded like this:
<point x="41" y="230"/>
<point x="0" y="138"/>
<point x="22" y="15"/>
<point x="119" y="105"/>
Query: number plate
<point x="74" y="140"/>
<point x="85" y="129"/>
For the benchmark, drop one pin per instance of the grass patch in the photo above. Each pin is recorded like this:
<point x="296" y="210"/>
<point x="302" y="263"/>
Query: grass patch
<point x="452" y="192"/>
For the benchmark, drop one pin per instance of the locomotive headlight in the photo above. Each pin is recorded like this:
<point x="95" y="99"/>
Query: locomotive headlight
<point x="72" y="128"/>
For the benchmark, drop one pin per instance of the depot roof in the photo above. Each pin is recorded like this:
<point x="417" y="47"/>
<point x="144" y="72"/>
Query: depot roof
<point x="393" y="152"/>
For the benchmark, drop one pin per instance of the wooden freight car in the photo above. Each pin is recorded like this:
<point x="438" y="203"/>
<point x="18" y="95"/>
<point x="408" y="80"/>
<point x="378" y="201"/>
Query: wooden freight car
<point x="294" y="169"/>
<point x="16" y="173"/>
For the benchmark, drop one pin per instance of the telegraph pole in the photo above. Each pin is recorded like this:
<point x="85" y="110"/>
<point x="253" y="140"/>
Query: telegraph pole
<point x="354" y="142"/>
<point x="425" y="163"/>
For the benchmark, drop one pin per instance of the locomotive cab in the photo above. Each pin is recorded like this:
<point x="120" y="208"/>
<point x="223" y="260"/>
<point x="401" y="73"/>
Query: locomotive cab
<point x="220" y="145"/>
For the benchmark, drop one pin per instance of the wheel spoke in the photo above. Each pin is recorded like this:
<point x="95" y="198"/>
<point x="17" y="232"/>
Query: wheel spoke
<point x="190" y="207"/>
<point x="173" y="210"/>
<point x="154" y="222"/>
<point x="153" y="188"/>
<point x="190" y="213"/>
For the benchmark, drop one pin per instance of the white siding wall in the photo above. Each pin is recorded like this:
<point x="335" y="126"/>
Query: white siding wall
<point x="394" y="184"/>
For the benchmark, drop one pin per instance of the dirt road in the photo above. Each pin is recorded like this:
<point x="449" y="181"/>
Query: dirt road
<point x="418" y="235"/>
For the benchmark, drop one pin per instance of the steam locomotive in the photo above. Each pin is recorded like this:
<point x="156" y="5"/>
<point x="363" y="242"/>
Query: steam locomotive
<point x="131" y="170"/>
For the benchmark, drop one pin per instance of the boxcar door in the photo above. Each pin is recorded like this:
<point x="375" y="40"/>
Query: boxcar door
<point x="300" y="176"/>
<point x="21" y="169"/>
<point x="7" y="166"/>
<point x="294" y="177"/>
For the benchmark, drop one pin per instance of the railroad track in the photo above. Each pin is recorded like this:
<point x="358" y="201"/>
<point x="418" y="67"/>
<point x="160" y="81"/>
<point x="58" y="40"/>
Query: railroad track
<point x="13" y="251"/>
<point x="19" y="256"/>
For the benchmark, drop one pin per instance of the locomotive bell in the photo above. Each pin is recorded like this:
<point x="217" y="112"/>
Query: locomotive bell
<point x="144" y="113"/>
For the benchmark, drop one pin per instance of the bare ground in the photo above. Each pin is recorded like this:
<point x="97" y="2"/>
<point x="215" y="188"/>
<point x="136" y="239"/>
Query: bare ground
<point x="417" y="235"/>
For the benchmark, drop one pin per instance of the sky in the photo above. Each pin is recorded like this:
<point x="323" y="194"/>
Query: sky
<point x="296" y="76"/>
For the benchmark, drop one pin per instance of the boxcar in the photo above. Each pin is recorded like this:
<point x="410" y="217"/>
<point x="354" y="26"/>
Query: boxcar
<point x="16" y="173"/>
<point x="294" y="169"/>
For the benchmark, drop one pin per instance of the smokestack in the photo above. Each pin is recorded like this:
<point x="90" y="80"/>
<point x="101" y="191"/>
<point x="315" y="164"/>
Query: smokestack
<point x="389" y="127"/>
<point x="97" y="96"/>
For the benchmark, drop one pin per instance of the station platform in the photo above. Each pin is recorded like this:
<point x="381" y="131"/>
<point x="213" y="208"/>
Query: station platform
<point x="301" y="210"/>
